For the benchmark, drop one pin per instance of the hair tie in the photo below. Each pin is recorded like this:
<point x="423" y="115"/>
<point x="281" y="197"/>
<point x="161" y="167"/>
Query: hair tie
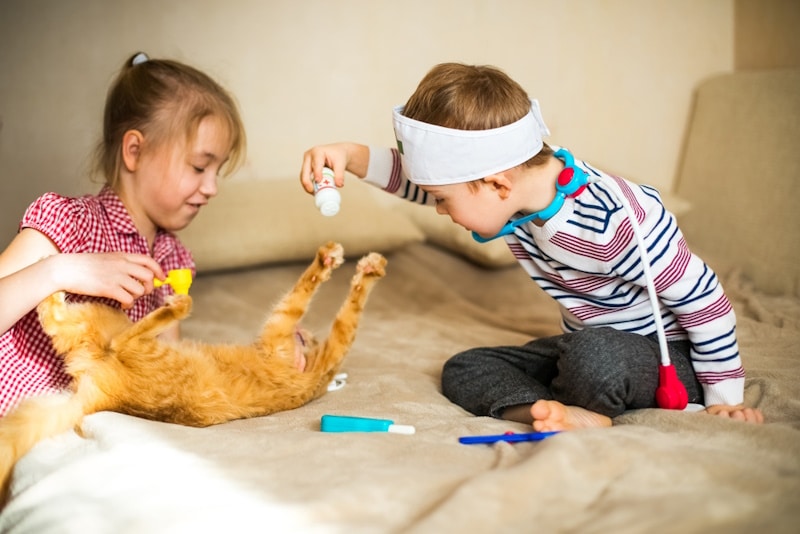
<point x="141" y="57"/>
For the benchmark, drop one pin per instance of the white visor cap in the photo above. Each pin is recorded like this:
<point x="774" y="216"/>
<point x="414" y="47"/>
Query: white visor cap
<point x="435" y="155"/>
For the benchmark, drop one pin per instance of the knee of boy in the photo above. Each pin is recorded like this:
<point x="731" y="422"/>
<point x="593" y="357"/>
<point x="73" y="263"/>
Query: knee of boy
<point x="595" y="353"/>
<point x="459" y="371"/>
<point x="455" y="365"/>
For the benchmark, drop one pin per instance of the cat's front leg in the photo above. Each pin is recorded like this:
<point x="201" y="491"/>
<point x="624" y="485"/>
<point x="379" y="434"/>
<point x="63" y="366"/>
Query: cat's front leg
<point x="176" y="307"/>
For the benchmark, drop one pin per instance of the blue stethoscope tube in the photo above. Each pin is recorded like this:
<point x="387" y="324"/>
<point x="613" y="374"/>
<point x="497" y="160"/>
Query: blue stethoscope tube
<point x="579" y="179"/>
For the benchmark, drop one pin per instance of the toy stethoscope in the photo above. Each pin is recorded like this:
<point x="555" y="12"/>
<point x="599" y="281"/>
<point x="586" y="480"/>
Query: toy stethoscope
<point x="671" y="393"/>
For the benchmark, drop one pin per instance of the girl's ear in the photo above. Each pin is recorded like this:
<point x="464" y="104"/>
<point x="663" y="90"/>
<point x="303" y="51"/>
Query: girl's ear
<point x="500" y="183"/>
<point x="132" y="142"/>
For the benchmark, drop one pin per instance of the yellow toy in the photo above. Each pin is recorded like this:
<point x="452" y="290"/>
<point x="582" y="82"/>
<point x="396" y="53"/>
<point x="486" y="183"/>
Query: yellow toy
<point x="179" y="279"/>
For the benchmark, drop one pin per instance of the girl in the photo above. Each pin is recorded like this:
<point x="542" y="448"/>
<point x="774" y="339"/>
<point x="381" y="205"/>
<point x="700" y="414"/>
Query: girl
<point x="168" y="131"/>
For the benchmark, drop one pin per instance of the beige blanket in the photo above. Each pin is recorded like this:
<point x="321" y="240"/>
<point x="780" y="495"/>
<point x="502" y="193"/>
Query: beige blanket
<point x="653" y="471"/>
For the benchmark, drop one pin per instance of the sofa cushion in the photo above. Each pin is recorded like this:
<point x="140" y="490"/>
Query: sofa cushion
<point x="741" y="174"/>
<point x="253" y="222"/>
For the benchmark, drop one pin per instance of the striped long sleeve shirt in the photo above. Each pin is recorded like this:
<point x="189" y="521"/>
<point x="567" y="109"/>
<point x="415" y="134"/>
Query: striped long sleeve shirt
<point x="586" y="258"/>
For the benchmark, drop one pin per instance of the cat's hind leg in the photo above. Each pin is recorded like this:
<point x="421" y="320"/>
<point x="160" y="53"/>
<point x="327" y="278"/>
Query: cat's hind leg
<point x="326" y="361"/>
<point x="286" y="314"/>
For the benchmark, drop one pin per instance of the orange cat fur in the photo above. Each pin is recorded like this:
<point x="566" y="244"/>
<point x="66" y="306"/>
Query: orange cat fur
<point x="123" y="367"/>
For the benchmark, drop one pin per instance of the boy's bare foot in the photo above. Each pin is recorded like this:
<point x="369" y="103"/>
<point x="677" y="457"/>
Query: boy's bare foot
<point x="549" y="415"/>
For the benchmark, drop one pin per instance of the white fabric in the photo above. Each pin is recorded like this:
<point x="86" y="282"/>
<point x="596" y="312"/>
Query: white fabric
<point x="435" y="155"/>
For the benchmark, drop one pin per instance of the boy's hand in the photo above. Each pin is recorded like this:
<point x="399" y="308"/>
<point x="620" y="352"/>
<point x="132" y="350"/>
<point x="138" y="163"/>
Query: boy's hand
<point x="339" y="157"/>
<point x="738" y="412"/>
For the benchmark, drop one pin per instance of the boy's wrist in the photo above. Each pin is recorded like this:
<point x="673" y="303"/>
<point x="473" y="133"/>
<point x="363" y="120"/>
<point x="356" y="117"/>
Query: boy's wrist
<point x="358" y="157"/>
<point x="379" y="169"/>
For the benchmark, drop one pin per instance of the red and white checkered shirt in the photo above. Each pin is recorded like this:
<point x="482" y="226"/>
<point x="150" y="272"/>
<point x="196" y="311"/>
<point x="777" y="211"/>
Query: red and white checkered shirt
<point x="90" y="224"/>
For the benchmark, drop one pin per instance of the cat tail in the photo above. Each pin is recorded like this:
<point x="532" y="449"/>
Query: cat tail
<point x="35" y="419"/>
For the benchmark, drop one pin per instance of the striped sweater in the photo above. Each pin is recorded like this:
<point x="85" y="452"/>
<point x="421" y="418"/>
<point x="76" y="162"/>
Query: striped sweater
<point x="586" y="258"/>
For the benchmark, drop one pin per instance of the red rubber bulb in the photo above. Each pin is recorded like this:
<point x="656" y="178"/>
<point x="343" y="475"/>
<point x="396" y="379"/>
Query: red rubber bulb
<point x="671" y="393"/>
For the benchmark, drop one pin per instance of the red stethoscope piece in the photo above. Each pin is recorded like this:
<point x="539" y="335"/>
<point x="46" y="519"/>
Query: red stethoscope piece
<point x="671" y="393"/>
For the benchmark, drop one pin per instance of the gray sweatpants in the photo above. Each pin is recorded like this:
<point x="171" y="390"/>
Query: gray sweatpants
<point x="603" y="370"/>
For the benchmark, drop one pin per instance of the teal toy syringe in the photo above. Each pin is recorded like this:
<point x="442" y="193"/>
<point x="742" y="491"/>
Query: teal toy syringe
<point x="344" y="423"/>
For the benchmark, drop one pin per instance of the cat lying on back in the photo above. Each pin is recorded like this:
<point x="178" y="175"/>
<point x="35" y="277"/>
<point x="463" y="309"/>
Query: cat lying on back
<point x="123" y="367"/>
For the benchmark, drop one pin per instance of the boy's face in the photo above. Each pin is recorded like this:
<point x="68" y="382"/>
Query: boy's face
<point x="483" y="211"/>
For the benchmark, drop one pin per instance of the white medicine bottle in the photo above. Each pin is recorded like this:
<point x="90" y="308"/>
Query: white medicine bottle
<point x="326" y="196"/>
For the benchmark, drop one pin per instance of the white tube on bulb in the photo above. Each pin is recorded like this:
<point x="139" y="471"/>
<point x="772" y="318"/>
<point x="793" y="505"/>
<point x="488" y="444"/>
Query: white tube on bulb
<point x="648" y="277"/>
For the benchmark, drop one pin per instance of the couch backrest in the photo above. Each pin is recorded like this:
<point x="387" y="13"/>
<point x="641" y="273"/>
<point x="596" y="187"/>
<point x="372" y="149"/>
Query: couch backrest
<point x="741" y="174"/>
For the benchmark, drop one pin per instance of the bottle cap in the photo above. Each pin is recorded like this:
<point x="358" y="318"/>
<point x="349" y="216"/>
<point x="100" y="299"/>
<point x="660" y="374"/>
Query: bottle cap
<point x="329" y="208"/>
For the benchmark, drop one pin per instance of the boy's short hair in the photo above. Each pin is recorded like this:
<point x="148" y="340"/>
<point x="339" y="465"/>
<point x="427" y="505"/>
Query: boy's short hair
<point x="471" y="97"/>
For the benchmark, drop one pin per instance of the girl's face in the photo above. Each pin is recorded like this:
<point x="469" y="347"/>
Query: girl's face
<point x="483" y="211"/>
<point x="172" y="183"/>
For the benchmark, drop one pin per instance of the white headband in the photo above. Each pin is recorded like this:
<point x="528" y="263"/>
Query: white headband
<point x="435" y="155"/>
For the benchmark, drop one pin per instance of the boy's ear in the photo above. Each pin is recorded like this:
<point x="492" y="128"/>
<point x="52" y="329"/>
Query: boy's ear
<point x="500" y="183"/>
<point x="132" y="142"/>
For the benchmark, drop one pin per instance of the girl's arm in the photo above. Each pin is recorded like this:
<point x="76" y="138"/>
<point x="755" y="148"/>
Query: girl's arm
<point x="25" y="275"/>
<point x="31" y="268"/>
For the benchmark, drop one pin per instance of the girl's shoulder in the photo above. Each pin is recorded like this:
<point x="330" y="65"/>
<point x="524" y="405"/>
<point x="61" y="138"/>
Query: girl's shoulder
<point x="52" y="205"/>
<point x="64" y="219"/>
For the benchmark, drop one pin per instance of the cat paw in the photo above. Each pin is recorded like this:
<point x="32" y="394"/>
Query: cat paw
<point x="373" y="264"/>
<point x="331" y="255"/>
<point x="181" y="305"/>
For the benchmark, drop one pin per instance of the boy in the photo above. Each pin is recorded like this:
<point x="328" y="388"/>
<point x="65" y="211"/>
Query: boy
<point x="469" y="141"/>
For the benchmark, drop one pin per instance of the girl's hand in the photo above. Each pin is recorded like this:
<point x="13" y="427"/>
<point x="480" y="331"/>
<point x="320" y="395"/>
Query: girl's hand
<point x="119" y="276"/>
<point x="738" y="412"/>
<point x="339" y="157"/>
<point x="31" y="269"/>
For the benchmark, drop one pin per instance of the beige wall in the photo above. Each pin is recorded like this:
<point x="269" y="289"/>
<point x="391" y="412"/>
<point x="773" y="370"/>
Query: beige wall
<point x="614" y="77"/>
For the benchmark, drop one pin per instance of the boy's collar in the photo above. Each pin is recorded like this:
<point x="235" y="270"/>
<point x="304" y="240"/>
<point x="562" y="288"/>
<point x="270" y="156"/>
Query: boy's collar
<point x="571" y="182"/>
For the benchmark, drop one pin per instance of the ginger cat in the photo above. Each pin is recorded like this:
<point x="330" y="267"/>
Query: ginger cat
<point x="123" y="367"/>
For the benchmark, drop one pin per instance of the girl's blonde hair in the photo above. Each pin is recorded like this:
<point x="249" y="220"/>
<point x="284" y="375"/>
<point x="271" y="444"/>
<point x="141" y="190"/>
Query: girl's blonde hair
<point x="166" y="101"/>
<point x="471" y="97"/>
